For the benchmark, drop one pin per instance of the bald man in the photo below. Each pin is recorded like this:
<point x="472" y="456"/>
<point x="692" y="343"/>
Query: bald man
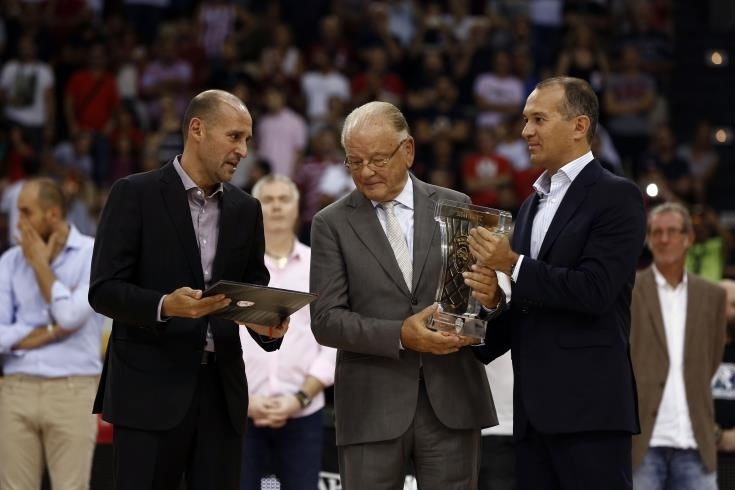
<point x="174" y="380"/>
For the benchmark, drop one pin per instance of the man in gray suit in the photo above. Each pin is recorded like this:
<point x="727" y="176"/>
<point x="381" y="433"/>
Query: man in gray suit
<point x="403" y="394"/>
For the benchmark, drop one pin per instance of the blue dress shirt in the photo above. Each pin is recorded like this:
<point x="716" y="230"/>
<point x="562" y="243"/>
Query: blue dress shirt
<point x="23" y="308"/>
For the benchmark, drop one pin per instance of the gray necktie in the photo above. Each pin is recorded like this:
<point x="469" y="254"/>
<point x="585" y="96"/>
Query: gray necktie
<point x="398" y="242"/>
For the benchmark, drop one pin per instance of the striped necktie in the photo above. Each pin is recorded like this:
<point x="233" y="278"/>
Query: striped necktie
<point x="398" y="242"/>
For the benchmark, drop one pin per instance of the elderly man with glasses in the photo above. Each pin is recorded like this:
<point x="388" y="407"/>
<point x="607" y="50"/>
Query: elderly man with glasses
<point x="404" y="395"/>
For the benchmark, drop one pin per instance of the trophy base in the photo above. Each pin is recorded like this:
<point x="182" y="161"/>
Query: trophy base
<point x="464" y="325"/>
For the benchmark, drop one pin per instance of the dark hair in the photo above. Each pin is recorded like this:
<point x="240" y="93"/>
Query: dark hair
<point x="49" y="194"/>
<point x="579" y="100"/>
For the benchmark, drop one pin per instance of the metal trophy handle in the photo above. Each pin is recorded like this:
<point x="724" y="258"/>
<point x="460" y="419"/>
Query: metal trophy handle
<point x="458" y="311"/>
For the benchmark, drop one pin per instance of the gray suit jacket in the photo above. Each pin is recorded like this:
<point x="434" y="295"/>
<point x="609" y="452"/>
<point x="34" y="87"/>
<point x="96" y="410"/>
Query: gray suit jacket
<point x="362" y="303"/>
<point x="704" y="339"/>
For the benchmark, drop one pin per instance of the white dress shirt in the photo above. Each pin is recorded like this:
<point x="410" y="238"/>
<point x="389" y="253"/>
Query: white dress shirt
<point x="551" y="189"/>
<point x="673" y="427"/>
<point x="403" y="211"/>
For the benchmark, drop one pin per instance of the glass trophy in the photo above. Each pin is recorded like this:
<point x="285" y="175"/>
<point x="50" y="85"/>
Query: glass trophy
<point x="458" y="311"/>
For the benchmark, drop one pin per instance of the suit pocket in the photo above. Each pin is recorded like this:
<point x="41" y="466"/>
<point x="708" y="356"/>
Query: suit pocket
<point x="579" y="338"/>
<point x="347" y="356"/>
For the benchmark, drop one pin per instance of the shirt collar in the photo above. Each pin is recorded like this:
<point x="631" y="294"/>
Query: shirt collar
<point x="570" y="171"/>
<point x="188" y="182"/>
<point x="75" y="238"/>
<point x="405" y="198"/>
<point x="661" y="280"/>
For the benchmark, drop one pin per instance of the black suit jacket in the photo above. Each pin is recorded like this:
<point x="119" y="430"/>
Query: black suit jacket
<point x="146" y="247"/>
<point x="568" y="322"/>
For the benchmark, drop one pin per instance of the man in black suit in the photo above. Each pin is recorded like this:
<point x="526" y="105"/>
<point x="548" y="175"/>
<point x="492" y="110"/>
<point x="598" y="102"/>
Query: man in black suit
<point x="572" y="262"/>
<point x="174" y="381"/>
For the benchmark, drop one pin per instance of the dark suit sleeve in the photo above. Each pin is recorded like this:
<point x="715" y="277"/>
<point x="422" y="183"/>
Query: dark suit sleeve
<point x="609" y="243"/>
<point x="112" y="289"/>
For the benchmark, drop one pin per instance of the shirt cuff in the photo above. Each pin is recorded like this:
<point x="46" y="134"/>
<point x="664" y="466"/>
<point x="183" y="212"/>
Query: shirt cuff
<point x="11" y="336"/>
<point x="160" y="307"/>
<point x="517" y="268"/>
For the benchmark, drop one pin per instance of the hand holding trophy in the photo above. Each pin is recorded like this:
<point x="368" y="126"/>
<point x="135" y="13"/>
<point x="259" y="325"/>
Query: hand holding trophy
<point x="459" y="310"/>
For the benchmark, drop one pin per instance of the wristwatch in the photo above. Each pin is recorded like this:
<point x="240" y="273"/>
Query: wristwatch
<point x="303" y="398"/>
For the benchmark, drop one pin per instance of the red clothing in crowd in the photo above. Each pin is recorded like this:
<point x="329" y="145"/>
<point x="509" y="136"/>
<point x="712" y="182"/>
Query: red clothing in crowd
<point x="478" y="166"/>
<point x="95" y="99"/>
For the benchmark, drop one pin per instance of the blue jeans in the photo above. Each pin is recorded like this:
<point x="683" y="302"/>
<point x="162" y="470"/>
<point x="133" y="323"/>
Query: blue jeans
<point x="666" y="468"/>
<point x="293" y="453"/>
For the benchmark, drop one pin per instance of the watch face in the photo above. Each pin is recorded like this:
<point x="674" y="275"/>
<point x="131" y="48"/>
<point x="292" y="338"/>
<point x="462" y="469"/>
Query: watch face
<point x="303" y="398"/>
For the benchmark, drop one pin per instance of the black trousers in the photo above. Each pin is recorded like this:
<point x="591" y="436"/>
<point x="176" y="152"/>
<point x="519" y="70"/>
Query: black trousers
<point x="498" y="463"/>
<point x="582" y="461"/>
<point x="204" y="448"/>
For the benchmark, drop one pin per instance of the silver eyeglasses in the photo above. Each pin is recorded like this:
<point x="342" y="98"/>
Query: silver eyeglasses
<point x="355" y="165"/>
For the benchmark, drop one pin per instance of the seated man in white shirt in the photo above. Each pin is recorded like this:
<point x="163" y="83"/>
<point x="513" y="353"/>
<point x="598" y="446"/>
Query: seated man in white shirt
<point x="285" y="387"/>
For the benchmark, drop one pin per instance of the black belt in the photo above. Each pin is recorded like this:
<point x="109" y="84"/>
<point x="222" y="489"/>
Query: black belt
<point x="208" y="357"/>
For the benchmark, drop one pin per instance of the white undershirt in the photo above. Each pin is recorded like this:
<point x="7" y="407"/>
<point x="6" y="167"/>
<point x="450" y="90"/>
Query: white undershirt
<point x="673" y="427"/>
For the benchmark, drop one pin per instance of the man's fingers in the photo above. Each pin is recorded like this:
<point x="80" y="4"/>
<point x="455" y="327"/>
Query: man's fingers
<point x="424" y="314"/>
<point x="193" y="293"/>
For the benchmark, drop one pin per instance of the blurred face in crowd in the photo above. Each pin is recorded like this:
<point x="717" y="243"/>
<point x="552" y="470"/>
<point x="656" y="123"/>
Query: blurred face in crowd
<point x="553" y="141"/>
<point x="280" y="206"/>
<point x="377" y="142"/>
<point x="222" y="141"/>
<point x="667" y="239"/>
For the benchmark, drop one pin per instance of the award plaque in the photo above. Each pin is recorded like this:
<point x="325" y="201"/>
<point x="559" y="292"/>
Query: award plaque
<point x="458" y="311"/>
<point x="258" y="304"/>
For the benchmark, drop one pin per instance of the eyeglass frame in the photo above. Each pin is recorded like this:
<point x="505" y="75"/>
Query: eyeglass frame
<point x="667" y="232"/>
<point x="375" y="164"/>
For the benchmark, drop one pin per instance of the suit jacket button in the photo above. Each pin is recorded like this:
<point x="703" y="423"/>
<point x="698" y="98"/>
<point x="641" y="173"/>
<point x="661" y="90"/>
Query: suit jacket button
<point x="414" y="300"/>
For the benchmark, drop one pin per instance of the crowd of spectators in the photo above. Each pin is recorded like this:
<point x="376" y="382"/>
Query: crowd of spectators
<point x="94" y="90"/>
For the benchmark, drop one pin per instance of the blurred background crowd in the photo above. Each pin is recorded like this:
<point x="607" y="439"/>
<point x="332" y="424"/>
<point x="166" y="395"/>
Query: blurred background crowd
<point x="92" y="90"/>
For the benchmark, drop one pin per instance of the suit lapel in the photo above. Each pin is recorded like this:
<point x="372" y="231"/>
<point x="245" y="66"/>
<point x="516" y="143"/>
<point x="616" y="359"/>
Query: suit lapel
<point x="694" y="316"/>
<point x="364" y="222"/>
<point x="177" y="205"/>
<point x="227" y="221"/>
<point x="424" y="227"/>
<point x="524" y="221"/>
<point x="649" y="293"/>
<point x="574" y="197"/>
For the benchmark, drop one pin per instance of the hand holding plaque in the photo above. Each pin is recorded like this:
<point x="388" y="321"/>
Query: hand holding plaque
<point x="458" y="310"/>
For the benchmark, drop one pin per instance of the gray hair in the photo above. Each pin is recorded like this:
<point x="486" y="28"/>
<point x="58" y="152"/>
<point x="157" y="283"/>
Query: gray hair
<point x="273" y="178"/>
<point x="372" y="112"/>
<point x="673" y="207"/>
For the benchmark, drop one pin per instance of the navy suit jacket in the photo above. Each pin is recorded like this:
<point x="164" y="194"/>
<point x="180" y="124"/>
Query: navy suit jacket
<point x="146" y="247"/>
<point x="568" y="321"/>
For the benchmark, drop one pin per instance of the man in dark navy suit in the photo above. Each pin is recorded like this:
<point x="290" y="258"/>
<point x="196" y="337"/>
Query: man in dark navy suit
<point x="174" y="382"/>
<point x="572" y="261"/>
